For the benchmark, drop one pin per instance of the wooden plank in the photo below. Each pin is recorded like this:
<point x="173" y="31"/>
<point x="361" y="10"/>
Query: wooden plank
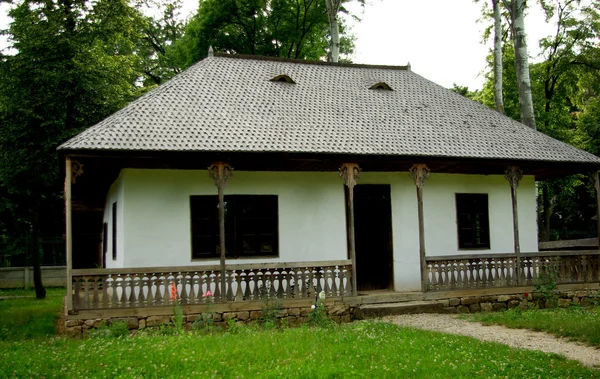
<point x="561" y="253"/>
<point x="566" y="244"/>
<point x="517" y="245"/>
<point x="253" y="266"/>
<point x="422" y="252"/>
<point x="352" y="241"/>
<point x="597" y="186"/>
<point x="69" y="233"/>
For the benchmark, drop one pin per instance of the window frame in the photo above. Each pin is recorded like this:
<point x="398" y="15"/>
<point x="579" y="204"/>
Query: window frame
<point x="479" y="205"/>
<point x="234" y="226"/>
<point x="114" y="231"/>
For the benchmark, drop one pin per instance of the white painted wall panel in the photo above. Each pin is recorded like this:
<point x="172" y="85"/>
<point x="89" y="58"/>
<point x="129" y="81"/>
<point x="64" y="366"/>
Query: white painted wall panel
<point x="311" y="214"/>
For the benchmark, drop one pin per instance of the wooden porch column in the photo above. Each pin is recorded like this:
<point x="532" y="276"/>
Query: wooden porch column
<point x="596" y="177"/>
<point x="69" y="232"/>
<point x="349" y="172"/>
<point x="514" y="174"/>
<point x="221" y="172"/>
<point x="420" y="173"/>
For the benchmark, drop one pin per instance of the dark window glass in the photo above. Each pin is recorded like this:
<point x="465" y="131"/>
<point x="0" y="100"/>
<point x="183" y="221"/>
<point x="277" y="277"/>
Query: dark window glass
<point x="473" y="221"/>
<point x="114" y="231"/>
<point x="251" y="226"/>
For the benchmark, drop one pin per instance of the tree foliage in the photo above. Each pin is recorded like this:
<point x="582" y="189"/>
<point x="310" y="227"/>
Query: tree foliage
<point x="74" y="65"/>
<point x="279" y="28"/>
<point x="566" y="93"/>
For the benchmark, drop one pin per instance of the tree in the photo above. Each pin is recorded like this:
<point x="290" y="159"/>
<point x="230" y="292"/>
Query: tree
<point x="74" y="65"/>
<point x="333" y="9"/>
<point x="497" y="56"/>
<point x="279" y="28"/>
<point x="516" y="10"/>
<point x="158" y="35"/>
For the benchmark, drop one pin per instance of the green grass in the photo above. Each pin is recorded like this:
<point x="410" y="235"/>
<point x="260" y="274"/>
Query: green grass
<point x="26" y="318"/>
<point x="360" y="349"/>
<point x="578" y="323"/>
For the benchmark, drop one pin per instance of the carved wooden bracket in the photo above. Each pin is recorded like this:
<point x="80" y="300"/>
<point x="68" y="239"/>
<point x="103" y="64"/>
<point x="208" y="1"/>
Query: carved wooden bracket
<point x="350" y="172"/>
<point x="514" y="175"/>
<point x="220" y="172"/>
<point x="76" y="170"/>
<point x="419" y="173"/>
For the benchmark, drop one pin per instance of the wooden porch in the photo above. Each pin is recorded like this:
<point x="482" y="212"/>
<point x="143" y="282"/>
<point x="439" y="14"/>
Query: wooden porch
<point x="448" y="276"/>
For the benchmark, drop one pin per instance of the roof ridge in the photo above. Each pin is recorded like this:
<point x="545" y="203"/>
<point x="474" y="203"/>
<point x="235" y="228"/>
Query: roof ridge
<point x="311" y="62"/>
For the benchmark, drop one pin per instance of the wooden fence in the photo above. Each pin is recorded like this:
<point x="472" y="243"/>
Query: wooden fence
<point x="22" y="277"/>
<point x="503" y="270"/>
<point x="147" y="287"/>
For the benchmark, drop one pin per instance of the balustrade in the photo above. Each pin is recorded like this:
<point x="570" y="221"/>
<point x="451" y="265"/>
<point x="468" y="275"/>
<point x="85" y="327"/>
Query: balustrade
<point x="501" y="270"/>
<point x="148" y="287"/>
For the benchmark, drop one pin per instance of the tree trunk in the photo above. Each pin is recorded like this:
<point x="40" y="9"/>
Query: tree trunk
<point x="498" y="57"/>
<point x="40" y="291"/>
<point x="333" y="8"/>
<point x="516" y="9"/>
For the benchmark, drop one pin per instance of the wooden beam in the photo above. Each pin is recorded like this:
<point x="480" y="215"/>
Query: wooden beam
<point x="221" y="172"/>
<point x="350" y="173"/>
<point x="597" y="186"/>
<point x="69" y="232"/>
<point x="420" y="173"/>
<point x="514" y="174"/>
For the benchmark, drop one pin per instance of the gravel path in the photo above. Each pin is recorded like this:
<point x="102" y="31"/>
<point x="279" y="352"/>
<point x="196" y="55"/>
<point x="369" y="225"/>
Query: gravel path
<point x="518" y="338"/>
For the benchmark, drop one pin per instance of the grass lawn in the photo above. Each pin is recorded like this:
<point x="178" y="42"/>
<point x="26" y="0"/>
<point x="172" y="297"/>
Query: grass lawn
<point x="577" y="323"/>
<point x="22" y="318"/>
<point x="361" y="349"/>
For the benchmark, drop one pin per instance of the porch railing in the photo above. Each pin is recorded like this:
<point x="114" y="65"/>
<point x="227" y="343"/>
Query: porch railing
<point x="502" y="270"/>
<point x="148" y="287"/>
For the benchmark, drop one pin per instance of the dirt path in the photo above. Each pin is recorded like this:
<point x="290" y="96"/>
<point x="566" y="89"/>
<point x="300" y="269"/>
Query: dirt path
<point x="518" y="338"/>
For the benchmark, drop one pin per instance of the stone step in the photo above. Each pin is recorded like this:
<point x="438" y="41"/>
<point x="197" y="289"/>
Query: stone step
<point x="389" y="309"/>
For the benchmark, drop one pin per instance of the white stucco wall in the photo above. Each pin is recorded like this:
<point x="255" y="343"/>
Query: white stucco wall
<point x="157" y="214"/>
<point x="154" y="207"/>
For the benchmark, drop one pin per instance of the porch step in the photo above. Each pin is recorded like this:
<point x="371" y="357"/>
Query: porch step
<point x="388" y="309"/>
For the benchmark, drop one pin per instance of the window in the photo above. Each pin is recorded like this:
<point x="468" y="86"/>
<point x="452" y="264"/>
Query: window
<point x="473" y="221"/>
<point x="114" y="231"/>
<point x="382" y="86"/>
<point x="283" y="79"/>
<point x="251" y="226"/>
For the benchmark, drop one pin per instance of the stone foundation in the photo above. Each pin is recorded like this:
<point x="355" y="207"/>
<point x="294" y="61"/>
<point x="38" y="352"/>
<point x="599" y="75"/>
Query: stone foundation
<point x="79" y="325"/>
<point x="499" y="302"/>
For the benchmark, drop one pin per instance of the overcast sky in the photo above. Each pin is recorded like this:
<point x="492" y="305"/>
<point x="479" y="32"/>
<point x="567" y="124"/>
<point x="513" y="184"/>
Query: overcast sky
<point x="440" y="38"/>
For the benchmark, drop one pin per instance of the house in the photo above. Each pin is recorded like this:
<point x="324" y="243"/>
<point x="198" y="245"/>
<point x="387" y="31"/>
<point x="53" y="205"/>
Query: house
<point x="259" y="178"/>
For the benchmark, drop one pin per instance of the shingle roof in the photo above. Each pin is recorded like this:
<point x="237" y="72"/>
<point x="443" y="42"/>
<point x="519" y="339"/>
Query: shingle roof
<point x="229" y="103"/>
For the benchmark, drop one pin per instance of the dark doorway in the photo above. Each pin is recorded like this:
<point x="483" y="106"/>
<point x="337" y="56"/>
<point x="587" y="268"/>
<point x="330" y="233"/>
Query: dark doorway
<point x="373" y="236"/>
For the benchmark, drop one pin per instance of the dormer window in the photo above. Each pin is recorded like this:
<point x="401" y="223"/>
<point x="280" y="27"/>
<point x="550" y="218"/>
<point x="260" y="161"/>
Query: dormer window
<point x="382" y="86"/>
<point x="283" y="79"/>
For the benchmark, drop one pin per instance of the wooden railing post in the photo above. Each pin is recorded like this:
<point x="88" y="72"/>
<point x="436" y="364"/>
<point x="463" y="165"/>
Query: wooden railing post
<point x="69" y="233"/>
<point x="514" y="174"/>
<point x="221" y="172"/>
<point x="350" y="172"/>
<point x="420" y="173"/>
